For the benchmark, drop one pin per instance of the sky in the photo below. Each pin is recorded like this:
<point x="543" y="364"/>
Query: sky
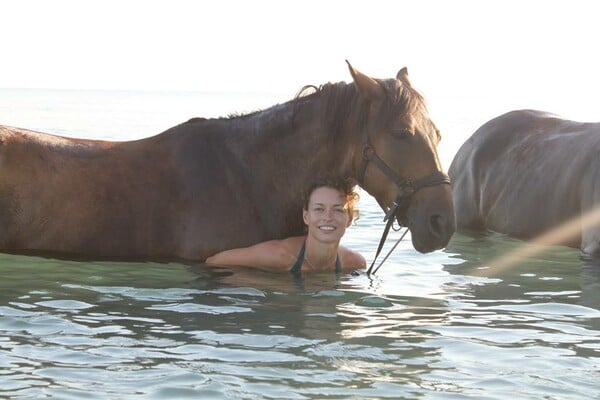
<point x="537" y="54"/>
<point x="271" y="45"/>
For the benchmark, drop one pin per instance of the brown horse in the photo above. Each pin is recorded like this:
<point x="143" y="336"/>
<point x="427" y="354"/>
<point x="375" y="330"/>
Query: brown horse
<point x="212" y="184"/>
<point x="527" y="173"/>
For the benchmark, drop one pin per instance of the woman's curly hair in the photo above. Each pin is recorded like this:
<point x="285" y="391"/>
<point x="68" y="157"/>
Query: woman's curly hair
<point x="343" y="185"/>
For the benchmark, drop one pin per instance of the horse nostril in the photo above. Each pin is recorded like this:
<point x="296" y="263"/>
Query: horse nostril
<point x="436" y="223"/>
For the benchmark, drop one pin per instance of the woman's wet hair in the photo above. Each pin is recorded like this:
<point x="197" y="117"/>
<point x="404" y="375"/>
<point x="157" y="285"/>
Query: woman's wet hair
<point x="343" y="185"/>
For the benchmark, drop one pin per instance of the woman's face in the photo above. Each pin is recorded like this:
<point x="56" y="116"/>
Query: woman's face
<point x="327" y="216"/>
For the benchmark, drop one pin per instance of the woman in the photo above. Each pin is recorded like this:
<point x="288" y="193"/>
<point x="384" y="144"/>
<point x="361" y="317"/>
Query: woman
<point x="328" y="210"/>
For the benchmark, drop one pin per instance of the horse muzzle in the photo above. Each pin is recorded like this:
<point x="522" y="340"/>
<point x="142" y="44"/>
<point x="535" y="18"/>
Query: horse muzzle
<point x="431" y="222"/>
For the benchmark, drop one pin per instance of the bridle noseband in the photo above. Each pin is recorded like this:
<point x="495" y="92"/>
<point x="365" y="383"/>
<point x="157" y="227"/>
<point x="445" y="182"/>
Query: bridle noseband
<point x="406" y="187"/>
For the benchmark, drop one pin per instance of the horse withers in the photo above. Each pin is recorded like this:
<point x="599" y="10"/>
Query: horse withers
<point x="211" y="184"/>
<point x="531" y="175"/>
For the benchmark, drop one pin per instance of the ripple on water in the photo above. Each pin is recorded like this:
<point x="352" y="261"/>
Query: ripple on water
<point x="188" y="308"/>
<point x="65" y="305"/>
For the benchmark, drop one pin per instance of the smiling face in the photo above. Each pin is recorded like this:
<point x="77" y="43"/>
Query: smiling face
<point x="328" y="215"/>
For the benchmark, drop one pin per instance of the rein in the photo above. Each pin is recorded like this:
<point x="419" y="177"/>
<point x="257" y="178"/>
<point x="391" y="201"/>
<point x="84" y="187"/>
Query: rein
<point x="406" y="188"/>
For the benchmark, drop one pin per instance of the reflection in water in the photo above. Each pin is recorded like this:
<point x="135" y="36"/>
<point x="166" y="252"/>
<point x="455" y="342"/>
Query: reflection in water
<point x="569" y="232"/>
<point x="559" y="270"/>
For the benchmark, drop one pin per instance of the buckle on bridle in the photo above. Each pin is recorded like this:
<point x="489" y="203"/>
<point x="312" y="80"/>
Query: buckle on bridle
<point x="368" y="153"/>
<point x="392" y="211"/>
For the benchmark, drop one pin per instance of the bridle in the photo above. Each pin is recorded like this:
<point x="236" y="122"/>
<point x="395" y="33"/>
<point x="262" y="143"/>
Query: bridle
<point x="406" y="187"/>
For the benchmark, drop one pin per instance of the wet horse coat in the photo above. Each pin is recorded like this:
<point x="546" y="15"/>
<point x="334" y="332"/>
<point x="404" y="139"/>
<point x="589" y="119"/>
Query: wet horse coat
<point x="211" y="184"/>
<point x="527" y="172"/>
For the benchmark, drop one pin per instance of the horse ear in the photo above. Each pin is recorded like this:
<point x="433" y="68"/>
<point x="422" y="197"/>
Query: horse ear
<point x="367" y="86"/>
<point x="402" y="76"/>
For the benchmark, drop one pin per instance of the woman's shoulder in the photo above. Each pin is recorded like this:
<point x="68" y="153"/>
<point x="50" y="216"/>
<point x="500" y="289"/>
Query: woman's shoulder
<point x="351" y="259"/>
<point x="288" y="245"/>
<point x="280" y="253"/>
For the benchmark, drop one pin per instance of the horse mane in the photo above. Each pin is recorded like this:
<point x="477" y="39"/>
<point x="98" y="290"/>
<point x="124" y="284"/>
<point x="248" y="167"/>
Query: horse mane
<point x="342" y="101"/>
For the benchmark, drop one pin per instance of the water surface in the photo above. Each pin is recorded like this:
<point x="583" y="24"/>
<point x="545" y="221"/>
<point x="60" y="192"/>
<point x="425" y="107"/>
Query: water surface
<point x="447" y="329"/>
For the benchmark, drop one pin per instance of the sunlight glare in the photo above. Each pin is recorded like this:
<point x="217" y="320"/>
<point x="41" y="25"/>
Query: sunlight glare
<point x="559" y="235"/>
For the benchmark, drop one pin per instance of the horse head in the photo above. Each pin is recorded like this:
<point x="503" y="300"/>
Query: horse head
<point x="397" y="160"/>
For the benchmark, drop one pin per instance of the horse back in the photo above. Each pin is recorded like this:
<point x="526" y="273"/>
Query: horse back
<point x="69" y="195"/>
<point x="523" y="172"/>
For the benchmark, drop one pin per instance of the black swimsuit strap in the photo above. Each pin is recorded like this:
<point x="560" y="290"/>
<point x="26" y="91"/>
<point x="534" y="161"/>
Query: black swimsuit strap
<point x="297" y="267"/>
<point x="338" y="264"/>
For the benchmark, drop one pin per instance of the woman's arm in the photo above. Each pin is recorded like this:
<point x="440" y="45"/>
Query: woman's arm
<point x="268" y="255"/>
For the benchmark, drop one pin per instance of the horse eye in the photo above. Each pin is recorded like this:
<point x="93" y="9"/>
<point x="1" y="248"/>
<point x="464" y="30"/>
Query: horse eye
<point x="401" y="133"/>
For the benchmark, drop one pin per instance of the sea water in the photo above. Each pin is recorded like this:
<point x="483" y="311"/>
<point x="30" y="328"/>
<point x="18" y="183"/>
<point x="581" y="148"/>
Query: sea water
<point x="452" y="324"/>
